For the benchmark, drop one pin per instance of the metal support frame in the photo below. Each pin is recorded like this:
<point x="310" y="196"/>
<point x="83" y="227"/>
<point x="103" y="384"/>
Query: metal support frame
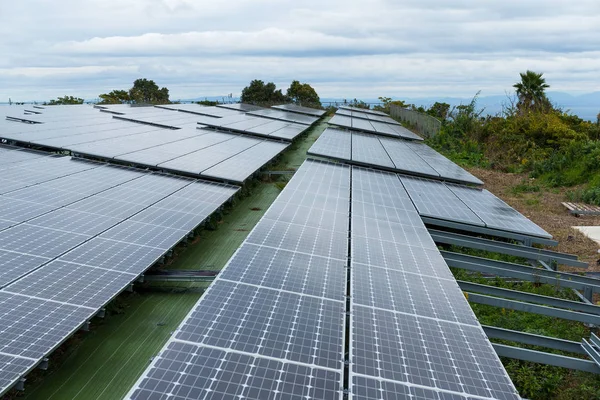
<point x="20" y="385"/>
<point x="529" y="297"/>
<point x="43" y="365"/>
<point x="541" y="357"/>
<point x="587" y="290"/>
<point x="592" y="348"/>
<point x="101" y="313"/>
<point x="530" y="253"/>
<point x="525" y="239"/>
<point x="524" y="272"/>
<point x="569" y="346"/>
<point x="86" y="326"/>
<point x="533" y="308"/>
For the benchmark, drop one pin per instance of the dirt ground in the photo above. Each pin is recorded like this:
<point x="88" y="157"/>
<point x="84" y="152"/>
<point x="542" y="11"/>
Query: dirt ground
<point x="545" y="209"/>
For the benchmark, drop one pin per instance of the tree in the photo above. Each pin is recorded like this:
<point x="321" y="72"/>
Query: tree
<point x="65" y="100"/>
<point x="115" y="97"/>
<point x="439" y="110"/>
<point x="145" y="91"/>
<point x="531" y="92"/>
<point x="387" y="102"/>
<point x="303" y="94"/>
<point x="259" y="92"/>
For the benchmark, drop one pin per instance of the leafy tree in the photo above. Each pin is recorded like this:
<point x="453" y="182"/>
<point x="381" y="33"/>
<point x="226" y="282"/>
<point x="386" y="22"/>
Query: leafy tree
<point x="262" y="93"/>
<point x="439" y="110"/>
<point x="303" y="94"/>
<point x="65" y="100"/>
<point x="145" y="91"/>
<point x="115" y="97"/>
<point x="387" y="102"/>
<point x="531" y="92"/>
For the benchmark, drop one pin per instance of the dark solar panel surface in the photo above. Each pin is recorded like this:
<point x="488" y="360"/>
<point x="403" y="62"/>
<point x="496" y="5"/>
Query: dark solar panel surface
<point x="67" y="246"/>
<point x="280" y="300"/>
<point x="300" y="109"/>
<point x="410" y="323"/>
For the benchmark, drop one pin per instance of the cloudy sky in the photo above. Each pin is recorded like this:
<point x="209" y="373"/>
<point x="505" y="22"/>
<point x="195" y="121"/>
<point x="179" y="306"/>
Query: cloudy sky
<point x="344" y="48"/>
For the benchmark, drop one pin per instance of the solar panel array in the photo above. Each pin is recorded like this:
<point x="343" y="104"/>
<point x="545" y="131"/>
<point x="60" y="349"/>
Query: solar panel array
<point x="151" y="141"/>
<point x="391" y="154"/>
<point x="274" y="323"/>
<point x="255" y="125"/>
<point x="300" y="109"/>
<point x="362" y="110"/>
<point x="469" y="206"/>
<point x="376" y="127"/>
<point x="368" y="116"/>
<point x="211" y="111"/>
<point x="73" y="235"/>
<point x="282" y="115"/>
<point x="412" y="332"/>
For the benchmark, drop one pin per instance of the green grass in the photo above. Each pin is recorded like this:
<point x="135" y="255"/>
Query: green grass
<point x="106" y="362"/>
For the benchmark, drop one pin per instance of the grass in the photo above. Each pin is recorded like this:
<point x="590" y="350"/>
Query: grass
<point x="106" y="362"/>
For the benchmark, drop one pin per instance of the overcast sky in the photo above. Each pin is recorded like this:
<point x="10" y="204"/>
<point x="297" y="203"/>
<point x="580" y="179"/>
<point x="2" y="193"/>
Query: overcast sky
<point x="364" y="49"/>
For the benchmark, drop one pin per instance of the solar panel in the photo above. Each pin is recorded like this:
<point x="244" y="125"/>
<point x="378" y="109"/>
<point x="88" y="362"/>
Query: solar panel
<point x="14" y="265"/>
<point x="434" y="199"/>
<point x="389" y="154"/>
<point x="185" y="370"/>
<point x="495" y="213"/>
<point x="410" y="323"/>
<point x="367" y="151"/>
<point x="300" y="109"/>
<point x="363" y="110"/>
<point x="31" y="327"/>
<point x="368" y="116"/>
<point x="333" y="143"/>
<point x="375" y="127"/>
<point x="254" y="125"/>
<point x="38" y="241"/>
<point x="143" y="234"/>
<point x="242" y="165"/>
<point x="285" y="116"/>
<point x="288" y="272"/>
<point x="12" y="368"/>
<point x="442" y="165"/>
<point x="241" y="107"/>
<point x="72" y="284"/>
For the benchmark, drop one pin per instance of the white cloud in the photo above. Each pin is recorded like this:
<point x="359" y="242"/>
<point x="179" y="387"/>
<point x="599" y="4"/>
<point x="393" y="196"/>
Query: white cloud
<point x="344" y="48"/>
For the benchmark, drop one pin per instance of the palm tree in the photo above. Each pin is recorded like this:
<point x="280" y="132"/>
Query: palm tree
<point x="531" y="91"/>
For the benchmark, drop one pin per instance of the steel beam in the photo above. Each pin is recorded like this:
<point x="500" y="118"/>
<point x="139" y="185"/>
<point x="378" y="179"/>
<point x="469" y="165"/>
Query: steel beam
<point x="529" y="297"/>
<point x="569" y="346"/>
<point x="530" y="253"/>
<point x="533" y="308"/>
<point x="488" y="231"/>
<point x="541" y="357"/>
<point x="524" y="272"/>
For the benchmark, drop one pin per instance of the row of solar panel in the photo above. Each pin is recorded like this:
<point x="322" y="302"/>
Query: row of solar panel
<point x="390" y="154"/>
<point x="73" y="235"/>
<point x="272" y="325"/>
<point x="368" y="116"/>
<point x="376" y="127"/>
<point x="218" y="155"/>
<point x="410" y="322"/>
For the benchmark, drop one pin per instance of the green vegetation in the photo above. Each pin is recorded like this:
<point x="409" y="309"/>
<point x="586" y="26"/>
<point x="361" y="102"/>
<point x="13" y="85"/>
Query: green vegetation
<point x="267" y="94"/>
<point x="303" y="94"/>
<point x="262" y="93"/>
<point x="65" y="100"/>
<point x="143" y="91"/>
<point x="531" y="136"/>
